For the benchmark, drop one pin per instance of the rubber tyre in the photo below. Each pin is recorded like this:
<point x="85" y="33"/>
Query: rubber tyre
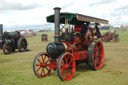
<point x="5" y="50"/>
<point x="19" y="44"/>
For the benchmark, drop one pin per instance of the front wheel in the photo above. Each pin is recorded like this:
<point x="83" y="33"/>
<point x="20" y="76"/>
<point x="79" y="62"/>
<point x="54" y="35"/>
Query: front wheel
<point x="42" y="65"/>
<point x="7" y="48"/>
<point x="95" y="55"/>
<point x="66" y="66"/>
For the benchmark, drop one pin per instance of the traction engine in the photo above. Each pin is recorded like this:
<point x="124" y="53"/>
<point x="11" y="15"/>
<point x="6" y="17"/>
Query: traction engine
<point x="10" y="41"/>
<point x="73" y="46"/>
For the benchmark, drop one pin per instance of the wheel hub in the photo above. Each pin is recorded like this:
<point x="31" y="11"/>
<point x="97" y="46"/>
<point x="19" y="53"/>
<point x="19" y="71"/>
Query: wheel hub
<point x="43" y="65"/>
<point x="67" y="66"/>
<point x="98" y="54"/>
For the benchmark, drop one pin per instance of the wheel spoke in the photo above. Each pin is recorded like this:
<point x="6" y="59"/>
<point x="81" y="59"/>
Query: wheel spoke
<point x="44" y="58"/>
<point x="38" y="69"/>
<point x="100" y="47"/>
<point x="71" y="65"/>
<point x="48" y="65"/>
<point x="98" y="61"/>
<point x="62" y="71"/>
<point x="70" y="70"/>
<point x="62" y="63"/>
<point x="70" y="62"/>
<point x="48" y="60"/>
<point x="47" y="69"/>
<point x="65" y="59"/>
<point x="39" y="61"/>
<point x="67" y="73"/>
<point x="62" y="67"/>
<point x="43" y="70"/>
<point x="38" y="64"/>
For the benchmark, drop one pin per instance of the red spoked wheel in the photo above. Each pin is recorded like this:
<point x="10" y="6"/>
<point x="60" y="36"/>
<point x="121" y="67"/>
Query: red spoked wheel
<point x="42" y="65"/>
<point x="88" y="36"/>
<point x="66" y="66"/>
<point x="95" y="55"/>
<point x="103" y="38"/>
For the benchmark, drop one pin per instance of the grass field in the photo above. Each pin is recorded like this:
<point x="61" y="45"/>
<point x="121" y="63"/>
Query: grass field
<point x="16" y="68"/>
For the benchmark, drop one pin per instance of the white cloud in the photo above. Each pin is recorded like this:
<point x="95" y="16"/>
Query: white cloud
<point x="30" y="12"/>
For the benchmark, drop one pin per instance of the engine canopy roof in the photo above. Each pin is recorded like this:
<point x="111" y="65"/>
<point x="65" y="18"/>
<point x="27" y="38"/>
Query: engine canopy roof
<point x="74" y="18"/>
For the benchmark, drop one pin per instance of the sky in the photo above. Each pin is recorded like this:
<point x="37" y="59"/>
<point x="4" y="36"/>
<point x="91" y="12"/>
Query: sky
<point x="34" y="12"/>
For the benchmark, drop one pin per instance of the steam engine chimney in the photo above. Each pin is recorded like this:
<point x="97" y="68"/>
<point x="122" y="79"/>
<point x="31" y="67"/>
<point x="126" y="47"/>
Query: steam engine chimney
<point x="1" y="29"/>
<point x="57" y="24"/>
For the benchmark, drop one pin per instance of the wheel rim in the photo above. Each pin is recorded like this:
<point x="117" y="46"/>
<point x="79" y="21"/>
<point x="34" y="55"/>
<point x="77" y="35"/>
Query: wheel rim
<point x="42" y="65"/>
<point x="98" y="55"/>
<point x="67" y="67"/>
<point x="89" y="36"/>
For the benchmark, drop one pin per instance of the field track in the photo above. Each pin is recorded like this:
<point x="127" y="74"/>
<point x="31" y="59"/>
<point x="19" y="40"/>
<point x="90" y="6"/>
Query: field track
<point x="16" y="68"/>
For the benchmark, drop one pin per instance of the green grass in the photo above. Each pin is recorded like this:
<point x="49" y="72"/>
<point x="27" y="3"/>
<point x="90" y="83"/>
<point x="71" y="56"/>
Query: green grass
<point x="16" y="68"/>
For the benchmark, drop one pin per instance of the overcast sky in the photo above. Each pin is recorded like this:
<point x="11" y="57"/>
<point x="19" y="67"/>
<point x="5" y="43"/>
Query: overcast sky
<point x="32" y="12"/>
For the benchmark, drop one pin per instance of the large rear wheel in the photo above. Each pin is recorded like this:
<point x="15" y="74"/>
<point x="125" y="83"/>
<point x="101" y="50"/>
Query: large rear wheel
<point x="88" y="36"/>
<point x="22" y="44"/>
<point x="95" y="55"/>
<point x="42" y="65"/>
<point x="66" y="66"/>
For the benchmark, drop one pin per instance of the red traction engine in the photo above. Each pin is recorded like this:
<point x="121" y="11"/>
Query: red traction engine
<point x="74" y="46"/>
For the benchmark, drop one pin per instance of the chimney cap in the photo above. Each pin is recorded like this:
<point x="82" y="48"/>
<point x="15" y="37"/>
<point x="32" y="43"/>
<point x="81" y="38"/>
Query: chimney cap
<point x="57" y="8"/>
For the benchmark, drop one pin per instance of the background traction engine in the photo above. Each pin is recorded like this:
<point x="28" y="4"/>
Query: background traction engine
<point x="110" y="36"/>
<point x="74" y="46"/>
<point x="10" y="41"/>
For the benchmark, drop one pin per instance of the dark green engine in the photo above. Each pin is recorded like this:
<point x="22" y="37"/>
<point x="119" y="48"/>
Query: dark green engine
<point x="9" y="41"/>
